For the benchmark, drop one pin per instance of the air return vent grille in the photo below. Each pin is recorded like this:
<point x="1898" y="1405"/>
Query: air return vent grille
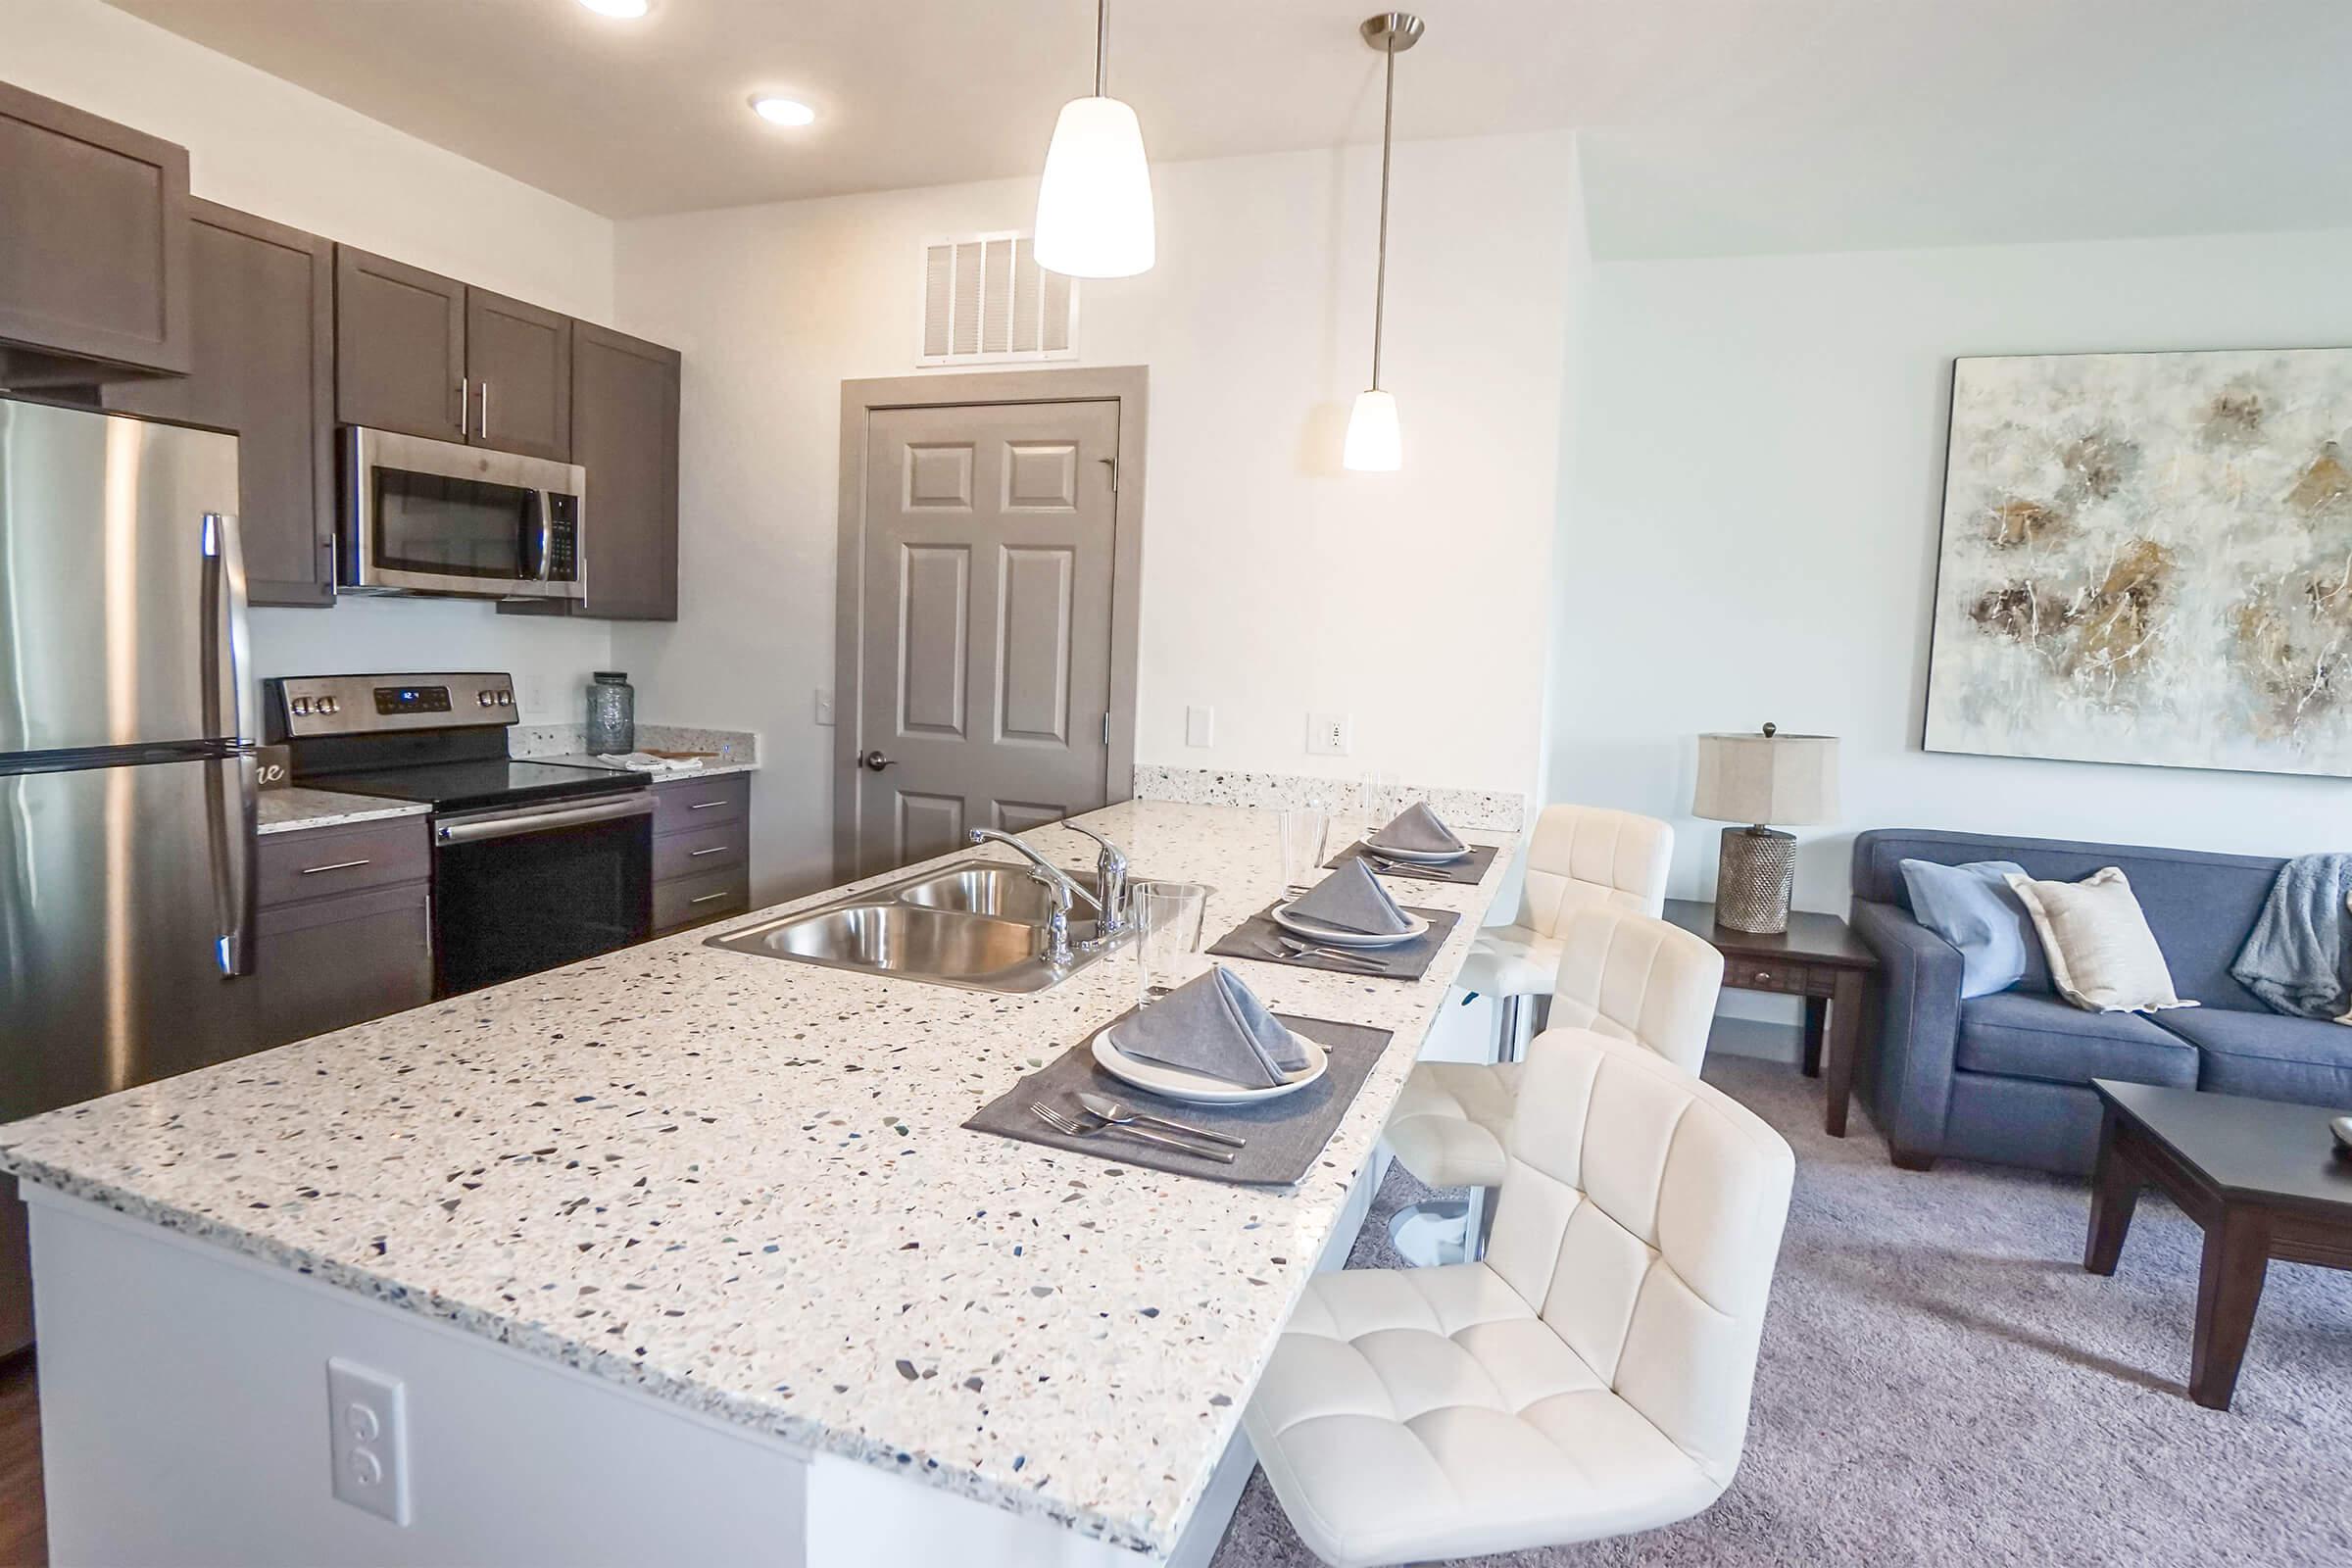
<point x="987" y="302"/>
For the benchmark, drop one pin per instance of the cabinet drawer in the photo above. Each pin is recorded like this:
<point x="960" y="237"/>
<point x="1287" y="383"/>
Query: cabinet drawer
<point x="1748" y="974"/>
<point x="698" y="802"/>
<point x="699" y="850"/>
<point x="688" y="900"/>
<point x="317" y="861"/>
<point x="329" y="963"/>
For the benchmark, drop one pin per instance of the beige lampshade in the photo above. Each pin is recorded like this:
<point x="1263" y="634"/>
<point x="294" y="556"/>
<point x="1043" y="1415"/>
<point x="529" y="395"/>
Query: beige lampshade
<point x="1764" y="778"/>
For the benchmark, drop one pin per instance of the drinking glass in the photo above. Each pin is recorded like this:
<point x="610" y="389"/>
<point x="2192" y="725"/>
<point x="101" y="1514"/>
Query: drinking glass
<point x="1306" y="833"/>
<point x="1376" y="799"/>
<point x="1167" y="933"/>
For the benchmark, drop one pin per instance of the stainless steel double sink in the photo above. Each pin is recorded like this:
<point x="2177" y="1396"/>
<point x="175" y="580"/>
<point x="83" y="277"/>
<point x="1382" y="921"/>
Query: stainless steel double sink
<point x="979" y="925"/>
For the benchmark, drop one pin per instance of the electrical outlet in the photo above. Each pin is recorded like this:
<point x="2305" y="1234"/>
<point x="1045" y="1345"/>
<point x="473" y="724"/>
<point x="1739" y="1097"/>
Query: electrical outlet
<point x="534" y="696"/>
<point x="1327" y="734"/>
<point x="824" y="706"/>
<point x="367" y="1438"/>
<point x="1200" y="726"/>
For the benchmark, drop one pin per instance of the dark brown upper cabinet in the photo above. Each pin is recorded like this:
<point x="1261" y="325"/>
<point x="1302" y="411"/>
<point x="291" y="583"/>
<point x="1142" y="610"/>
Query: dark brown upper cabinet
<point x="518" y="358"/>
<point x="262" y="319"/>
<point x="400" y="347"/>
<point x="425" y="355"/>
<point x="93" y="248"/>
<point x="624" y="431"/>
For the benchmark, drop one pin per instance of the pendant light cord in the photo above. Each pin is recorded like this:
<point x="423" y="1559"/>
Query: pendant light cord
<point x="1101" y="46"/>
<point x="1380" y="285"/>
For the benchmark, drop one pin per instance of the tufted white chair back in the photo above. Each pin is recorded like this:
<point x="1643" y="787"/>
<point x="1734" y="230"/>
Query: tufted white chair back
<point x="1635" y="978"/>
<point x="1642" y="1218"/>
<point x="1584" y="855"/>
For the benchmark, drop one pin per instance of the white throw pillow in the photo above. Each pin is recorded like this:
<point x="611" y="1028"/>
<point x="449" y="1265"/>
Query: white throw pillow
<point x="2104" y="957"/>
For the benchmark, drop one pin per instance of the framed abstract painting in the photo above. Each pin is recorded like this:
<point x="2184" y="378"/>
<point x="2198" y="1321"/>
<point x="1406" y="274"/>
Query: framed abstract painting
<point x="2147" y="558"/>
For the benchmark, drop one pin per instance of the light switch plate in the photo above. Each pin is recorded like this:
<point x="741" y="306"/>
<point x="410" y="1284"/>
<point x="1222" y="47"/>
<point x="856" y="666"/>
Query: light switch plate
<point x="534" y="696"/>
<point x="1327" y="734"/>
<point x="1199" y="725"/>
<point x="824" y="706"/>
<point x="367" y="1438"/>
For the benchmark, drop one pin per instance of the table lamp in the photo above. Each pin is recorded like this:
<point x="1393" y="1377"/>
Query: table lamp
<point x="1758" y="778"/>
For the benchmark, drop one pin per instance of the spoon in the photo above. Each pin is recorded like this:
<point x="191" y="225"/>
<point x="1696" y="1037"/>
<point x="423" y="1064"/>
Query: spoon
<point x="1119" y="1114"/>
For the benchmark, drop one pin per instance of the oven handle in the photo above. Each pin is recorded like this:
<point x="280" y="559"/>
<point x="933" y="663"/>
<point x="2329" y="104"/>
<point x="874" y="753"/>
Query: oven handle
<point x="505" y="824"/>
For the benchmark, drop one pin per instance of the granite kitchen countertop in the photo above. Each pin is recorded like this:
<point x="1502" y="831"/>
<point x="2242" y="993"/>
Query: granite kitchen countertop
<point x="709" y="769"/>
<point x="291" y="810"/>
<point x="741" y="1185"/>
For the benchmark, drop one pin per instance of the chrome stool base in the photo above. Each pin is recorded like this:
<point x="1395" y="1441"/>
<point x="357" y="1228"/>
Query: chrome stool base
<point x="1444" y="1230"/>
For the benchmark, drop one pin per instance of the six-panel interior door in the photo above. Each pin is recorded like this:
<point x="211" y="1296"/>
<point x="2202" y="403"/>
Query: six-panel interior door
<point x="987" y="621"/>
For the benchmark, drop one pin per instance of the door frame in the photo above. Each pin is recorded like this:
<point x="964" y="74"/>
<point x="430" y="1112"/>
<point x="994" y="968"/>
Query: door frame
<point x="1127" y="385"/>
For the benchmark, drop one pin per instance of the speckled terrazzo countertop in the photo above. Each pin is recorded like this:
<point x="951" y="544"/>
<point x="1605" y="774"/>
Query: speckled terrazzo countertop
<point x="739" y="1183"/>
<point x="291" y="810"/>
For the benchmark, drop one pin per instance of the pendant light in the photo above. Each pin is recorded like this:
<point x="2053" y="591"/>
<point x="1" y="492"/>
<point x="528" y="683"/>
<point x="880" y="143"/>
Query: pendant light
<point x="1374" y="444"/>
<point x="1093" y="207"/>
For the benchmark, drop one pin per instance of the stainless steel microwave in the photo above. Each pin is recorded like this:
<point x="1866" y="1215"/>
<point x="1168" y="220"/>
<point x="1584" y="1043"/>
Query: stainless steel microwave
<point x="424" y="516"/>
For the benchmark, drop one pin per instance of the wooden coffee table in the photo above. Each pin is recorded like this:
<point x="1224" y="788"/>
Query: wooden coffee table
<point x="2260" y="1176"/>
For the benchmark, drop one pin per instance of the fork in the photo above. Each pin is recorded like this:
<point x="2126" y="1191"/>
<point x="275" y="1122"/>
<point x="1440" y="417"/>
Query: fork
<point x="1070" y="1129"/>
<point x="1305" y="950"/>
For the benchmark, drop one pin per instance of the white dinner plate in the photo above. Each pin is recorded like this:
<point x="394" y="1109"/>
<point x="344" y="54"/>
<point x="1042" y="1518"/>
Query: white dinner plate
<point x="1199" y="1088"/>
<point x="1333" y="936"/>
<point x="1418" y="856"/>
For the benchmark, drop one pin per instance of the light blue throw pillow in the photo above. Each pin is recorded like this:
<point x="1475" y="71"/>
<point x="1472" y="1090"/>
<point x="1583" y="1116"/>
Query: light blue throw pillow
<point x="1973" y="907"/>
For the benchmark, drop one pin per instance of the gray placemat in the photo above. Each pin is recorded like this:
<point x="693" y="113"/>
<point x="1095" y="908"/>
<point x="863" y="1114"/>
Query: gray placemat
<point x="1284" y="1136"/>
<point x="1255" y="939"/>
<point x="1466" y="872"/>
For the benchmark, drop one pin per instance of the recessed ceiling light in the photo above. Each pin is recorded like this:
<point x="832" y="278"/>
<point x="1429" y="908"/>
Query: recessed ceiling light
<point x="618" y="8"/>
<point x="782" y="110"/>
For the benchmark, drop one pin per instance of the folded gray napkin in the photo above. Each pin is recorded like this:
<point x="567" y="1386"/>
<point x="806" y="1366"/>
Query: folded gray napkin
<point x="1349" y="900"/>
<point x="1213" y="1024"/>
<point x="1419" y="828"/>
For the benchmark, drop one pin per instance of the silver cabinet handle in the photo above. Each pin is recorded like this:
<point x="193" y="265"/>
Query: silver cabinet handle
<point x="339" y="866"/>
<point x="715" y="848"/>
<point x="703" y="805"/>
<point x="465" y="397"/>
<point x="485" y="415"/>
<point x="723" y="893"/>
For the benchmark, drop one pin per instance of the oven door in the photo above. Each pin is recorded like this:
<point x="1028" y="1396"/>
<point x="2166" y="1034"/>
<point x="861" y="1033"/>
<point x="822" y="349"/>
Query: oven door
<point x="521" y="889"/>
<point x="434" y="517"/>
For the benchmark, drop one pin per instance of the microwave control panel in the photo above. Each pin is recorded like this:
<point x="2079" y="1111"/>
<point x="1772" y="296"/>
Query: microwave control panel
<point x="562" y="538"/>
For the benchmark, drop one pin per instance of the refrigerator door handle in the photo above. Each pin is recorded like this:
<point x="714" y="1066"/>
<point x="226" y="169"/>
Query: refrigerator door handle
<point x="232" y="786"/>
<point x="227" y="709"/>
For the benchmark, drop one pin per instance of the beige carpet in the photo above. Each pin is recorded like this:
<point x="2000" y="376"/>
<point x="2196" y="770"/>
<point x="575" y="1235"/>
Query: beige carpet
<point x="1942" y="1384"/>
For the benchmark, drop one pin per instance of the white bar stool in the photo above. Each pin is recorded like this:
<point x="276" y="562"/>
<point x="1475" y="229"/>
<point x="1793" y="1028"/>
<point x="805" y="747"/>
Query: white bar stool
<point x="1589" y="1378"/>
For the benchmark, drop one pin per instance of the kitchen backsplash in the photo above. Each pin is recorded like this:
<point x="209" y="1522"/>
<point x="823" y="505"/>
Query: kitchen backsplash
<point x="1496" y="811"/>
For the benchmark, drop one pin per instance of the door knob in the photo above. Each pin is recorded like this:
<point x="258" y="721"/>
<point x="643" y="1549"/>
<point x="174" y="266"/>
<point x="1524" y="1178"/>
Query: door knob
<point x="876" y="761"/>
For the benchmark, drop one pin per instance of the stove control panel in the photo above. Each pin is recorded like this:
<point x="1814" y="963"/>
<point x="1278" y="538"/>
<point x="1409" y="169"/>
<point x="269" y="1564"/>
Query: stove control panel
<point x="302" y="707"/>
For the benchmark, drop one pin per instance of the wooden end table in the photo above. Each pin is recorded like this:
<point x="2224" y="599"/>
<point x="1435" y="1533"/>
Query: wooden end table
<point x="2261" y="1177"/>
<point x="1819" y="958"/>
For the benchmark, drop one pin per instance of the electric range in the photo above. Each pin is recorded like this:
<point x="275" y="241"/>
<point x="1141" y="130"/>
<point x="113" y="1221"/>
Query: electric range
<point x="535" y="864"/>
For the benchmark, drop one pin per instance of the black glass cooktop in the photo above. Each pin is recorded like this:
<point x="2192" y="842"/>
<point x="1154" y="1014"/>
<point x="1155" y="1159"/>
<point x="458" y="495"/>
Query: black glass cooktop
<point x="496" y="781"/>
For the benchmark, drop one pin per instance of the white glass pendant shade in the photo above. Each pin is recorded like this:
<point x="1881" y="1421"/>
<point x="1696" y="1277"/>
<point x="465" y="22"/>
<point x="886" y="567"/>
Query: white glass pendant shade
<point x="1374" y="443"/>
<point x="1094" y="208"/>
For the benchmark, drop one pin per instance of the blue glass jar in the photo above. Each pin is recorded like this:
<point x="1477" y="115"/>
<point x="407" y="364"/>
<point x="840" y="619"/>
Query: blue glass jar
<point x="611" y="715"/>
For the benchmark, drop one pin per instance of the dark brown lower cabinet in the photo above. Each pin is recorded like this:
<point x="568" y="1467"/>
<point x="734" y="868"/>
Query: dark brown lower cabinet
<point x="701" y="850"/>
<point x="345" y="926"/>
<point x="264" y="330"/>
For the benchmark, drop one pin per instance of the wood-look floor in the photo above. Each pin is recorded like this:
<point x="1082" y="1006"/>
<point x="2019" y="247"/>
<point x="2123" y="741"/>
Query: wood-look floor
<point x="23" y="1533"/>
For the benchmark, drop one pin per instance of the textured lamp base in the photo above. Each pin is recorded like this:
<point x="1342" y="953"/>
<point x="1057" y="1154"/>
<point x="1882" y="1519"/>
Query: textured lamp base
<point x="1753" y="874"/>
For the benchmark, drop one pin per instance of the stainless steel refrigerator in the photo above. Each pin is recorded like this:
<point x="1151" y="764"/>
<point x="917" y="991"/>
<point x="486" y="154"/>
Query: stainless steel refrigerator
<point x="126" y="769"/>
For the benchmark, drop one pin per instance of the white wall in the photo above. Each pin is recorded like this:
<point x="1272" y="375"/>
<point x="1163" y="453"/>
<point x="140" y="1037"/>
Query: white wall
<point x="262" y="144"/>
<point x="1273" y="582"/>
<point x="1751" y="530"/>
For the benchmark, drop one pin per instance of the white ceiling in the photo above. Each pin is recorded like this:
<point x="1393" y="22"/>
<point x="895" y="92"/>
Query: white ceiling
<point x="1711" y="126"/>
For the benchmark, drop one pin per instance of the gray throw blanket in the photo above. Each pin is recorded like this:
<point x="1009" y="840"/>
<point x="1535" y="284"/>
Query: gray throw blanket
<point x="2299" y="957"/>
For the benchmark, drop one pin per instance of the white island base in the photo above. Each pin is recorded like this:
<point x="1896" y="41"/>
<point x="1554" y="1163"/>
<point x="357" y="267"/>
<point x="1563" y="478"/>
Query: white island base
<point x="185" y="1421"/>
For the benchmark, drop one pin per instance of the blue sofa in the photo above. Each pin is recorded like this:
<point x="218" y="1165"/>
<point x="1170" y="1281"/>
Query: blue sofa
<point x="2006" y="1077"/>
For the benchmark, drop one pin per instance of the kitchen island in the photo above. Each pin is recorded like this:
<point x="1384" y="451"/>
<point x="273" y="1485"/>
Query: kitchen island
<point x="682" y="1254"/>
